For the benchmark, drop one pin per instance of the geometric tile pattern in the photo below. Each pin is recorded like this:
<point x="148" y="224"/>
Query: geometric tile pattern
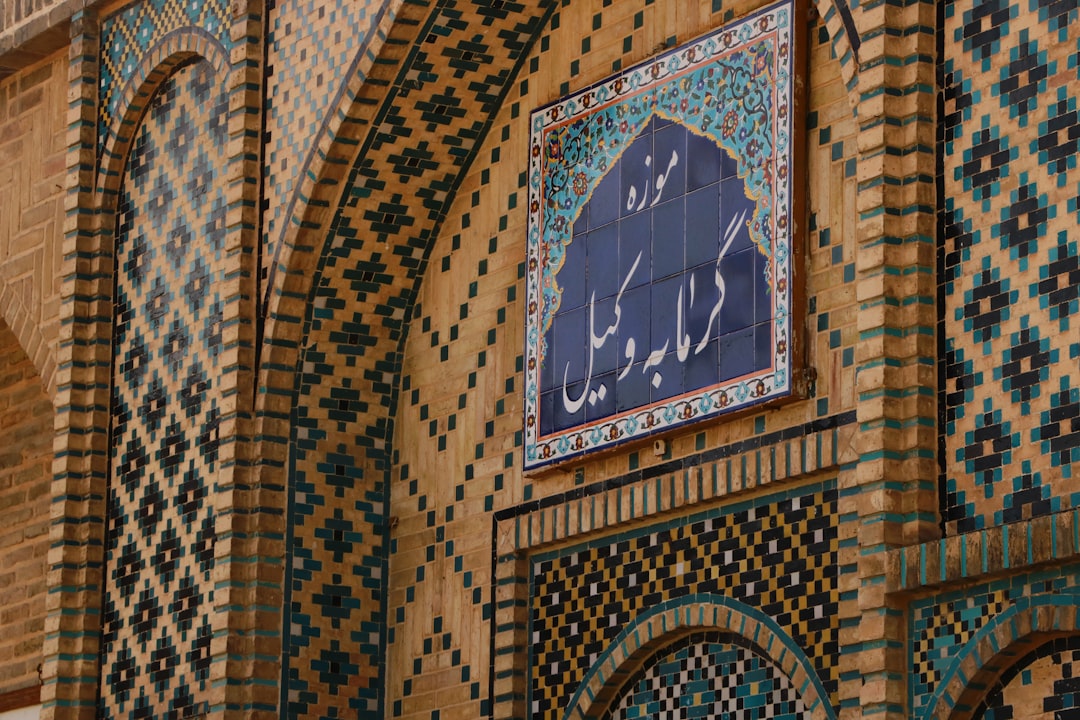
<point x="1050" y="675"/>
<point x="776" y="553"/>
<point x="312" y="45"/>
<point x="712" y="675"/>
<point x="941" y="625"/>
<point x="166" y="404"/>
<point x="336" y="565"/>
<point x="128" y="35"/>
<point x="1010" y="266"/>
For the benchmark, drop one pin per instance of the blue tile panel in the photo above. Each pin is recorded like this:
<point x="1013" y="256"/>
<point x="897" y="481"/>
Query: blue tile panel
<point x="1009" y="266"/>
<point x="708" y="675"/>
<point x="313" y="45"/>
<point x="658" y="286"/>
<point x="776" y="554"/>
<point x="129" y="35"/>
<point x="166" y="405"/>
<point x="940" y="626"/>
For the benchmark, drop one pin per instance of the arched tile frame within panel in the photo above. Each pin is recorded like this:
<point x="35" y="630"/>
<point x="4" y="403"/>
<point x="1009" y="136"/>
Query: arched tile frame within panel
<point x="671" y="621"/>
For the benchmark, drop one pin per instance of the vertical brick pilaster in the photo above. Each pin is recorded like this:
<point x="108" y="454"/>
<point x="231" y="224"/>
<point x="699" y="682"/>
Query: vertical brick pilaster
<point x="509" y="671"/>
<point x="247" y="646"/>
<point x="889" y="498"/>
<point x="80" y="469"/>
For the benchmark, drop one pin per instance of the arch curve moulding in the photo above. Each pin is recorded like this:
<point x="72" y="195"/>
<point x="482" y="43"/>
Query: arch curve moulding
<point x="363" y="179"/>
<point x="666" y="624"/>
<point x="158" y="64"/>
<point x="1000" y="648"/>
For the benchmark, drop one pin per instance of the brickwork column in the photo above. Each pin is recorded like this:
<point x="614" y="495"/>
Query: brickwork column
<point x="889" y="498"/>
<point x="80" y="468"/>
<point x="509" y="672"/>
<point x="247" y="622"/>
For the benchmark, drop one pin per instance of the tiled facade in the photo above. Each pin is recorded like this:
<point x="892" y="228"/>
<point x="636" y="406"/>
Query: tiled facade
<point x="280" y="295"/>
<point x="317" y="55"/>
<point x="776" y="554"/>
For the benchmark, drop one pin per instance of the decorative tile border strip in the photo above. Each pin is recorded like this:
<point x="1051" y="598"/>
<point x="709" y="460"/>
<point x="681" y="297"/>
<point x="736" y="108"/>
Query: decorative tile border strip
<point x="1003" y="549"/>
<point x="606" y="506"/>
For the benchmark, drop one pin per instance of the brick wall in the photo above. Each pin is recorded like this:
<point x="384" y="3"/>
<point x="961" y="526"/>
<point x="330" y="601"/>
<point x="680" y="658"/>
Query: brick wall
<point x="33" y="108"/>
<point x="25" y="468"/>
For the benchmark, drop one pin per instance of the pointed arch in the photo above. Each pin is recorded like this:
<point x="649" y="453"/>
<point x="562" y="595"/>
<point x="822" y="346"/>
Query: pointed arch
<point x="157" y="65"/>
<point x="19" y="321"/>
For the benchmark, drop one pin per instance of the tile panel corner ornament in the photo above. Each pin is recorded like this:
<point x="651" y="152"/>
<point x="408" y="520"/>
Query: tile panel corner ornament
<point x="659" y="280"/>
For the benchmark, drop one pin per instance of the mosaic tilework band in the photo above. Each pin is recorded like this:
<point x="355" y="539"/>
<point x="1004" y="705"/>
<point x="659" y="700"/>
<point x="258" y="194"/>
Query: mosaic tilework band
<point x="1011" y="282"/>
<point x="128" y="35"/>
<point x="713" y="675"/>
<point x="166" y="405"/>
<point x="369" y="260"/>
<point x="776" y="553"/>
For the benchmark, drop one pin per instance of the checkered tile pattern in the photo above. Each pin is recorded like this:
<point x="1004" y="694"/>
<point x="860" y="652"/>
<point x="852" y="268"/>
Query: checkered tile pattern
<point x="708" y="676"/>
<point x="1010" y="269"/>
<point x="166" y="405"/>
<point x="777" y="554"/>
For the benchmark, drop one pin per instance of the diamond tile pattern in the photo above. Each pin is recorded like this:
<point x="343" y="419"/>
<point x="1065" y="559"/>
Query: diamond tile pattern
<point x="166" y="405"/>
<point x="1010" y="272"/>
